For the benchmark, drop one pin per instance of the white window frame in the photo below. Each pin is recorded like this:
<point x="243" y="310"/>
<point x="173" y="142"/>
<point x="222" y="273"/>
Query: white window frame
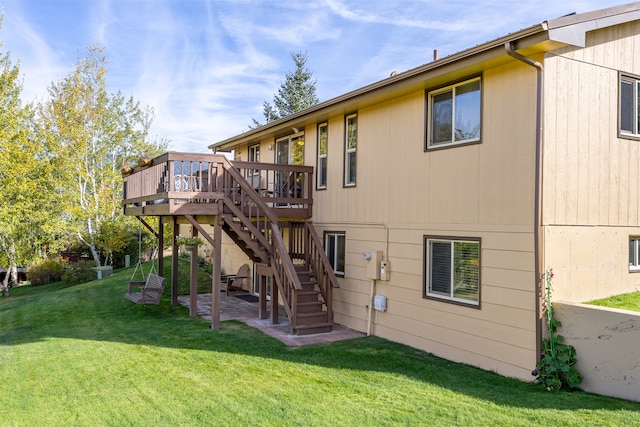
<point x="428" y="270"/>
<point x="321" y="177"/>
<point x="431" y="110"/>
<point x="632" y="130"/>
<point x="350" y="152"/>
<point x="254" y="156"/>
<point x="332" y="241"/>
<point x="634" y="253"/>
<point x="254" y="153"/>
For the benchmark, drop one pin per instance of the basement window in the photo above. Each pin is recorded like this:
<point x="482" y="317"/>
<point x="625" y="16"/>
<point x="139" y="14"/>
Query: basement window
<point x="335" y="249"/>
<point x="452" y="269"/>
<point x="634" y="254"/>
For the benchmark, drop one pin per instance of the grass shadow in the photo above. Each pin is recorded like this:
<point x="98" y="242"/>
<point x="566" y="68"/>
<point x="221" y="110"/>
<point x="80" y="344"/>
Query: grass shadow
<point x="98" y="311"/>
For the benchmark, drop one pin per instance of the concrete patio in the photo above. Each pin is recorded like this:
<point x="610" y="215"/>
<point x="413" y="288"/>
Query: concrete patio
<point x="235" y="308"/>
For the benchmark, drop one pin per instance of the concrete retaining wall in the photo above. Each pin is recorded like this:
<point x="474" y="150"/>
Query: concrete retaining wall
<point x="607" y="343"/>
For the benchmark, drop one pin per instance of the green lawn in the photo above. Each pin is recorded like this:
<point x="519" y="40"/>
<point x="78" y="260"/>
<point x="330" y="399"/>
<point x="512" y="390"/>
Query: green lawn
<point x="85" y="356"/>
<point x="630" y="301"/>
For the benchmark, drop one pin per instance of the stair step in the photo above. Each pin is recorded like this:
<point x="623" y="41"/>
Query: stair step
<point x="310" y="306"/>
<point x="311" y="318"/>
<point x="308" y="295"/>
<point x="313" y="328"/>
<point x="304" y="274"/>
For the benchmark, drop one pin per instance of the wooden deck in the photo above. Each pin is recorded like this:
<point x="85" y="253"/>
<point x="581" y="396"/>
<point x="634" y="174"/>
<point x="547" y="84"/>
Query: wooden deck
<point x="254" y="204"/>
<point x="177" y="184"/>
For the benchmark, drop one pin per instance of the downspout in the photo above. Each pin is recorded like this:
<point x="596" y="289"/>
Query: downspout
<point x="537" y="231"/>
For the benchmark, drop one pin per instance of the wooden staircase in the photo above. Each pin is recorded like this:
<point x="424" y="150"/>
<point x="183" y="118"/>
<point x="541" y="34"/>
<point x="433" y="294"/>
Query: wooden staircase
<point x="242" y="236"/>
<point x="311" y="314"/>
<point x="305" y="288"/>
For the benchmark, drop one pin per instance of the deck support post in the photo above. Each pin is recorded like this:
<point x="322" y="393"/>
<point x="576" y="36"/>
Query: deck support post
<point x="274" y="305"/>
<point x="174" y="263"/>
<point x="193" y="278"/>
<point x="215" y="278"/>
<point x="263" y="271"/>
<point x="160" y="247"/>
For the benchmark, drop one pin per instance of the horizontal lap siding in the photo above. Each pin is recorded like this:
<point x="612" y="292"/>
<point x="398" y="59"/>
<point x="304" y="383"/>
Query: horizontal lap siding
<point x="483" y="190"/>
<point x="505" y="324"/>
<point x="503" y="358"/>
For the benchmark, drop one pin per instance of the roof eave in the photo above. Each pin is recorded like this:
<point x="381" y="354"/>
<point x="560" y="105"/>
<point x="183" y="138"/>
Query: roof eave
<point x="229" y="143"/>
<point x="549" y="35"/>
<point x="573" y="29"/>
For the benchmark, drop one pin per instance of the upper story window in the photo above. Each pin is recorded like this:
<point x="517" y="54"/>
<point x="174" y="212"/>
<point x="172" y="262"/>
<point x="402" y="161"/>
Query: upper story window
<point x="254" y="153"/>
<point x="629" y="106"/>
<point x="454" y="114"/>
<point x="452" y="269"/>
<point x="634" y="253"/>
<point x="350" y="145"/>
<point x="290" y="149"/>
<point x="254" y="156"/>
<point x="321" y="170"/>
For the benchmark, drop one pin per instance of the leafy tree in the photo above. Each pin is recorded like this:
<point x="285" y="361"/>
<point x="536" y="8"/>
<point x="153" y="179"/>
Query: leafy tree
<point x="296" y="93"/>
<point x="28" y="205"/>
<point x="89" y="134"/>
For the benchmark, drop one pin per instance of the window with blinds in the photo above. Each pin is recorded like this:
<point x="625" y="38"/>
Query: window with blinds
<point x="634" y="253"/>
<point x="452" y="269"/>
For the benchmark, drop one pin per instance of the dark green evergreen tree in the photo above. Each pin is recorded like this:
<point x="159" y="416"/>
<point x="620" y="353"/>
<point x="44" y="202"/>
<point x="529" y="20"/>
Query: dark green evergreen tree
<point x="296" y="93"/>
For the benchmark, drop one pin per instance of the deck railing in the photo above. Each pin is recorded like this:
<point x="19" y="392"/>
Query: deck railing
<point x="259" y="194"/>
<point x="175" y="179"/>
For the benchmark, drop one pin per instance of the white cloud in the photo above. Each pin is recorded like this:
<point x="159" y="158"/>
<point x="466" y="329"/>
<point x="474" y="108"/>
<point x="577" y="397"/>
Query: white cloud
<point x="207" y="66"/>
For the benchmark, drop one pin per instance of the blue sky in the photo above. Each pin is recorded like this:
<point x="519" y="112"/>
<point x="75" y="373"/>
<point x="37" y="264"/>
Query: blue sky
<point x="207" y="66"/>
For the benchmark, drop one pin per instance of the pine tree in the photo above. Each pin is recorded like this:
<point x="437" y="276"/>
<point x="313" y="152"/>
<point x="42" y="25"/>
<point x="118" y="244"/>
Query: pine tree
<point x="296" y="93"/>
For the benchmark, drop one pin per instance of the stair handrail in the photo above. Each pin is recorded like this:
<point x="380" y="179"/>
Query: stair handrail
<point x="284" y="272"/>
<point x="320" y="265"/>
<point x="321" y="255"/>
<point x="262" y="210"/>
<point x="248" y="190"/>
<point x="285" y="275"/>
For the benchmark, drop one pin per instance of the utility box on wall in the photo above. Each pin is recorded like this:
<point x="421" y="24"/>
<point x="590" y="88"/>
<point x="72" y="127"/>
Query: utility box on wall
<point x="373" y="265"/>
<point x="380" y="303"/>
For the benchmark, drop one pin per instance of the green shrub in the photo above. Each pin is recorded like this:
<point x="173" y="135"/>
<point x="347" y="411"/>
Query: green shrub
<point x="46" y="271"/>
<point x="205" y="265"/>
<point x="556" y="369"/>
<point x="79" y="272"/>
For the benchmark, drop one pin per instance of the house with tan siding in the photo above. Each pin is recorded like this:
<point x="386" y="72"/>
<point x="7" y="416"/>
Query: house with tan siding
<point x="437" y="196"/>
